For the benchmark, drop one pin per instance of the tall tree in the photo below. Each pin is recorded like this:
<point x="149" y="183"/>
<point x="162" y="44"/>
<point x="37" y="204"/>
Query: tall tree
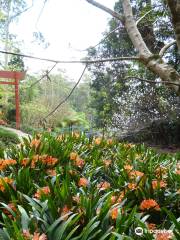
<point x="153" y="62"/>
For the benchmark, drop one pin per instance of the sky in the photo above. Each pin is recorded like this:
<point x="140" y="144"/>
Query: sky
<point x="68" y="25"/>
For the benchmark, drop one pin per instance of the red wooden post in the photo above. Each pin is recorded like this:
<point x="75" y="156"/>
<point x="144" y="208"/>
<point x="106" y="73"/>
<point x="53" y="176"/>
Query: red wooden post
<point x="17" y="103"/>
<point x="16" y="76"/>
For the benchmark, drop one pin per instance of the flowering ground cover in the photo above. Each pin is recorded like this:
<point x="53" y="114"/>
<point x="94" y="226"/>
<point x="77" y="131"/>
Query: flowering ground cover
<point x="72" y="187"/>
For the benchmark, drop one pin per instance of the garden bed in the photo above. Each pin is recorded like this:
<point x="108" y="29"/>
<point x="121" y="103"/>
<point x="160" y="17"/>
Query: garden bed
<point x="72" y="187"/>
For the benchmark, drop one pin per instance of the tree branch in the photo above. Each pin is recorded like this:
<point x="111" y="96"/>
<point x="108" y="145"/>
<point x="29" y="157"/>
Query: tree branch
<point x="133" y="58"/>
<point x="149" y="81"/>
<point x="66" y="98"/>
<point x="108" y="10"/>
<point x="141" y="18"/>
<point x="165" y="48"/>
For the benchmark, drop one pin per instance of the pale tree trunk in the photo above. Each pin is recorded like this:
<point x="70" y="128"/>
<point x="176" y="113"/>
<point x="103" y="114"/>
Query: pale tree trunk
<point x="153" y="62"/>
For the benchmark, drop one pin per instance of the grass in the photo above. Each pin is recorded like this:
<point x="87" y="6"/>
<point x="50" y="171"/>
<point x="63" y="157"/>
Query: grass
<point x="72" y="187"/>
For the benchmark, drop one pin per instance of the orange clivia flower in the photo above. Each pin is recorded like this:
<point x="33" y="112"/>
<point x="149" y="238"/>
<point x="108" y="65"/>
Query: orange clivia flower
<point x="6" y="180"/>
<point x="73" y="156"/>
<point x="25" y="161"/>
<point x="83" y="182"/>
<point x="158" y="184"/>
<point x="103" y="185"/>
<point x="97" y="141"/>
<point x="6" y="162"/>
<point x="41" y="191"/>
<point x="109" y="141"/>
<point x="107" y="163"/>
<point x="49" y="160"/>
<point x="121" y="197"/>
<point x="134" y="174"/>
<point x="114" y="213"/>
<point x="128" y="168"/>
<point x="149" y="204"/>
<point x="35" y="143"/>
<point x="113" y="199"/>
<point x="178" y="172"/>
<point x="151" y="226"/>
<point x="164" y="235"/>
<point x="64" y="211"/>
<point x="79" y="162"/>
<point x="38" y="236"/>
<point x="132" y="186"/>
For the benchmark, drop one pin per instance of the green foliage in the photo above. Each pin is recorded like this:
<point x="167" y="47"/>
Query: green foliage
<point x="86" y="189"/>
<point x="7" y="137"/>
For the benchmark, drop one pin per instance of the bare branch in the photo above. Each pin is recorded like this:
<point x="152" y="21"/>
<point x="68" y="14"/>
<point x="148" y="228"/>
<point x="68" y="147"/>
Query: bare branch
<point x="165" y="48"/>
<point x="149" y="81"/>
<point x="108" y="10"/>
<point x="45" y="75"/>
<point x="133" y="58"/>
<point x="66" y="98"/>
<point x="141" y="18"/>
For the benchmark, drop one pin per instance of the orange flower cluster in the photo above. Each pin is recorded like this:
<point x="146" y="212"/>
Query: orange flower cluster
<point x="6" y="180"/>
<point x="114" y="212"/>
<point x="12" y="207"/>
<point x="6" y="162"/>
<point x="83" y="182"/>
<point x="132" y="186"/>
<point x="164" y="235"/>
<point x="45" y="159"/>
<point x="128" y="168"/>
<point x="48" y="160"/>
<point x="134" y="174"/>
<point x="35" y="236"/>
<point x="103" y="185"/>
<point x="151" y="226"/>
<point x="65" y="210"/>
<point x="117" y="199"/>
<point x="41" y="191"/>
<point x="149" y="204"/>
<point x="77" y="160"/>
<point x="158" y="184"/>
<point x="35" y="143"/>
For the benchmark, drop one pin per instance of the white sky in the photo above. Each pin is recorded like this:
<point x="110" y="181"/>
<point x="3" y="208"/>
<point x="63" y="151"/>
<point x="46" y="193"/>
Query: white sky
<point x="64" y="23"/>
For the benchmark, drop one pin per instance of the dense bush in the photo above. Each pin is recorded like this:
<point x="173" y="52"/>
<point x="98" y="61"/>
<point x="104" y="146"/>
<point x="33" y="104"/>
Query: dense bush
<point x="72" y="187"/>
<point x="158" y="132"/>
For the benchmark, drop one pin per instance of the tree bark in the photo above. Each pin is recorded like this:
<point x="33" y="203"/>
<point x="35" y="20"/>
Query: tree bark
<point x="174" y="6"/>
<point x="153" y="62"/>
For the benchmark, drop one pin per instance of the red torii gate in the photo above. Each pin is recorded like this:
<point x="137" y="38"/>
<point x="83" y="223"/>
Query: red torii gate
<point x="17" y="76"/>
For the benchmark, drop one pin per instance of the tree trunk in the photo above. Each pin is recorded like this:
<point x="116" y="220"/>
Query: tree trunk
<point x="174" y="7"/>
